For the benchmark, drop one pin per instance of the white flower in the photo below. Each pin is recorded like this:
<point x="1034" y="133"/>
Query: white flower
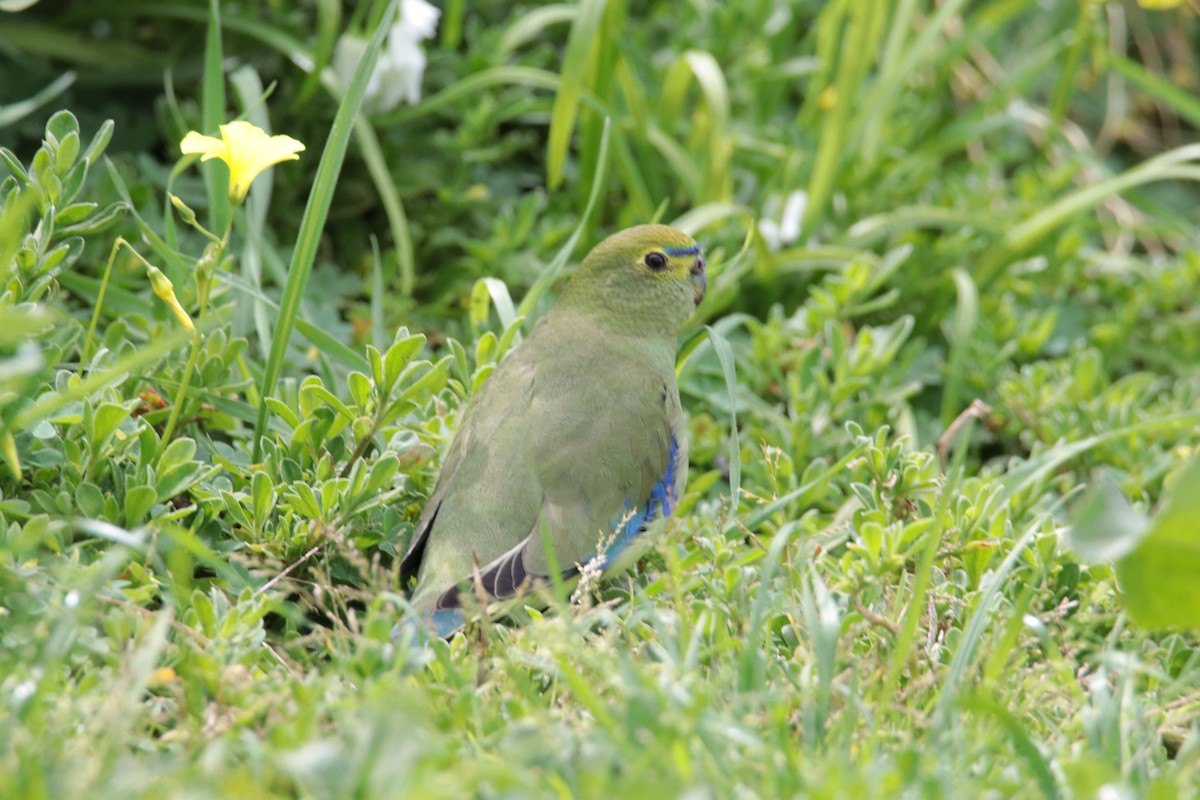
<point x="785" y="228"/>
<point x="418" y="20"/>
<point x="401" y="65"/>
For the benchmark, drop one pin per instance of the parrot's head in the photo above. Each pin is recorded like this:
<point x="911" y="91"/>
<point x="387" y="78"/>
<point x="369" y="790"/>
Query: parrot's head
<point x="641" y="276"/>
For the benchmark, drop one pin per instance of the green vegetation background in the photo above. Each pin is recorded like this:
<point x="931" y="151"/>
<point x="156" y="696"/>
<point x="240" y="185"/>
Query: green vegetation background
<point x="989" y="306"/>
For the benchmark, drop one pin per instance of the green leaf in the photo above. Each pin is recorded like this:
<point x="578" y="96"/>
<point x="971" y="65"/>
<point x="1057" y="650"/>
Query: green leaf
<point x="1106" y="528"/>
<point x="13" y="164"/>
<point x="263" y="493"/>
<point x="360" y="389"/>
<point x="1181" y="100"/>
<point x="327" y="397"/>
<point x="715" y="180"/>
<point x="382" y="471"/>
<point x="62" y="255"/>
<point x="398" y="356"/>
<point x="177" y="480"/>
<point x="432" y="382"/>
<point x="478" y="304"/>
<point x="235" y="509"/>
<point x="96" y="222"/>
<point x="1158" y="578"/>
<point x="74" y="213"/>
<point x="68" y="149"/>
<point x="526" y="77"/>
<point x="304" y="500"/>
<point x="105" y="419"/>
<point x="74" y="179"/>
<point x="90" y="500"/>
<point x="377" y="373"/>
<point x="180" y="451"/>
<point x="485" y="350"/>
<point x="61" y="125"/>
<point x="377" y="166"/>
<point x="51" y="402"/>
<point x="281" y="410"/>
<point x="99" y="142"/>
<point x="138" y="502"/>
<point x="1036" y="469"/>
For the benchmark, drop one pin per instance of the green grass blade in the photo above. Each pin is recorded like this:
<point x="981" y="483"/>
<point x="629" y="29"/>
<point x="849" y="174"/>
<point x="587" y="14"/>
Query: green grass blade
<point x="1037" y="468"/>
<point x="725" y="356"/>
<point x="1180" y="100"/>
<point x="378" y="334"/>
<point x="1025" y="746"/>
<point x="212" y="114"/>
<point x="718" y="182"/>
<point x="585" y="32"/>
<point x="311" y="225"/>
<point x="372" y="153"/>
<point x="335" y="349"/>
<point x="511" y="75"/>
<point x="966" y="316"/>
<point x="528" y="26"/>
<point x="542" y="284"/>
<point x="854" y="57"/>
<point x="981" y="617"/>
<point x="15" y="112"/>
<point x="1177" y="164"/>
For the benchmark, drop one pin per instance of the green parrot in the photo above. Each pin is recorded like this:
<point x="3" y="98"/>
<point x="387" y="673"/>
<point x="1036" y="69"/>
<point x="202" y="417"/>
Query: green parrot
<point x="576" y="441"/>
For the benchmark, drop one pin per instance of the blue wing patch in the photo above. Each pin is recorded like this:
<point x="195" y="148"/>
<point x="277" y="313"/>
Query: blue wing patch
<point x="633" y="521"/>
<point x="444" y="623"/>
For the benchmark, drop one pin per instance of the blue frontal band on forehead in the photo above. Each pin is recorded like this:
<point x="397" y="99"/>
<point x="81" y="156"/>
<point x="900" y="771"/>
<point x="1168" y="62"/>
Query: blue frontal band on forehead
<point x="682" y="251"/>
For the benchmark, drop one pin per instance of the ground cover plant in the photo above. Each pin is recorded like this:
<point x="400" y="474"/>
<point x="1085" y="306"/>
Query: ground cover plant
<point x="944" y="395"/>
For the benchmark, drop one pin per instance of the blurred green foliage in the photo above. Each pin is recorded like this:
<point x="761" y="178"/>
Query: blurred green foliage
<point x="953" y="261"/>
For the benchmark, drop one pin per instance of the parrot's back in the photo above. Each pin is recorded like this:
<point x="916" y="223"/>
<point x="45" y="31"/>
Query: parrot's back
<point x="578" y="432"/>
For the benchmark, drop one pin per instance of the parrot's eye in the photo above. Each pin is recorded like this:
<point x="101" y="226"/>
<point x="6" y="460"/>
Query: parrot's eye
<point x="656" y="261"/>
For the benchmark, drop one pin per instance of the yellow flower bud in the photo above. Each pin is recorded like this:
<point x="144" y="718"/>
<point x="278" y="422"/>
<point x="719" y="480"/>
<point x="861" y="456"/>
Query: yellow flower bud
<point x="165" y="290"/>
<point x="205" y="268"/>
<point x="185" y="212"/>
<point x="8" y="448"/>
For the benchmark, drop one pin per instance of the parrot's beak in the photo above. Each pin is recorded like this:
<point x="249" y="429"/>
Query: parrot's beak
<point x="699" y="279"/>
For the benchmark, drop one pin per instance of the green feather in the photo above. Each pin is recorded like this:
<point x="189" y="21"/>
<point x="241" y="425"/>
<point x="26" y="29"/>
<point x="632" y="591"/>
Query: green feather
<point x="571" y="430"/>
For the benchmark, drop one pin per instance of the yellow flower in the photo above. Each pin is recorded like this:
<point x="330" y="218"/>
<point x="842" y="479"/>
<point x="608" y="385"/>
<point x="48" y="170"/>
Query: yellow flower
<point x="246" y="149"/>
<point x="162" y="675"/>
<point x="1160" y="5"/>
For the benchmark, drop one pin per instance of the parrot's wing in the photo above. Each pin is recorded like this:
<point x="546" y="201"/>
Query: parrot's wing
<point x="484" y="499"/>
<point x="606" y="471"/>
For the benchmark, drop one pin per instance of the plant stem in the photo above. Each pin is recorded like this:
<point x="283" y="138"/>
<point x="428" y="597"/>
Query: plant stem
<point x="181" y="395"/>
<point x="87" y="341"/>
